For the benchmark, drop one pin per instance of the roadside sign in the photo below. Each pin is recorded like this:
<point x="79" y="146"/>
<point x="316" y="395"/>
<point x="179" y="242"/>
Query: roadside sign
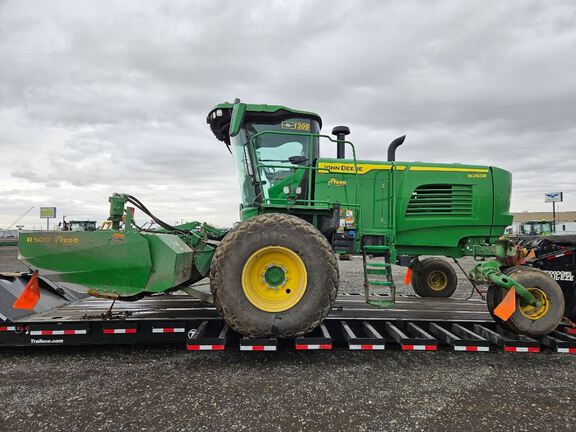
<point x="47" y="212"/>
<point x="553" y="197"/>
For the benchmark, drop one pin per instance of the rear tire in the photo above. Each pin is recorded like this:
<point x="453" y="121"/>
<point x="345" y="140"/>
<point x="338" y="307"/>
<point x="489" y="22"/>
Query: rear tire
<point x="285" y="303"/>
<point x="434" y="277"/>
<point x="526" y="319"/>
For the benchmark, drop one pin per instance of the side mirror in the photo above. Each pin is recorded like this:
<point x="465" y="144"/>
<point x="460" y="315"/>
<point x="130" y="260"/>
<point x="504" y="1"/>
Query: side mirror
<point x="297" y="160"/>
<point x="237" y="118"/>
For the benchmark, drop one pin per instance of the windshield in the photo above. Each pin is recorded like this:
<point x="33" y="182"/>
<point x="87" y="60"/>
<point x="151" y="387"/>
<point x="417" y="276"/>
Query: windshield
<point x="281" y="159"/>
<point x="243" y="167"/>
<point x="282" y="156"/>
<point x="536" y="228"/>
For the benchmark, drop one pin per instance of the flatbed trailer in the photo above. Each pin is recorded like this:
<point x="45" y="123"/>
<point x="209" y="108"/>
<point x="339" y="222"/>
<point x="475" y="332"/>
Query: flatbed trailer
<point x="415" y="324"/>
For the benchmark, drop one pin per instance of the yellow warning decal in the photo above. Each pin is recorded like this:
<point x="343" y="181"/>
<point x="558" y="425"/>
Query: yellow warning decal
<point x="296" y="125"/>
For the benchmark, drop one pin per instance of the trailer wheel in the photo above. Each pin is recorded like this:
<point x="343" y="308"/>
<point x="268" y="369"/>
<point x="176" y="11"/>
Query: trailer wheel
<point x="274" y="275"/>
<point x="527" y="319"/>
<point x="434" y="277"/>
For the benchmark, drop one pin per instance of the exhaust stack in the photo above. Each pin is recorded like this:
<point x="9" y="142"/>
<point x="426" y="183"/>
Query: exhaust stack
<point x="393" y="146"/>
<point x="341" y="132"/>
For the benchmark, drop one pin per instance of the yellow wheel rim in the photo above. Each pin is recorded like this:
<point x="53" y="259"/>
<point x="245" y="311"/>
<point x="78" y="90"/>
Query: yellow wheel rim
<point x="437" y="280"/>
<point x="534" y="312"/>
<point x="274" y="279"/>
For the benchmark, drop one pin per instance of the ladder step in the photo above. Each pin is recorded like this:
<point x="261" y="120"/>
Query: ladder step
<point x="378" y="264"/>
<point x="377" y="271"/>
<point x="376" y="248"/>
<point x="381" y="283"/>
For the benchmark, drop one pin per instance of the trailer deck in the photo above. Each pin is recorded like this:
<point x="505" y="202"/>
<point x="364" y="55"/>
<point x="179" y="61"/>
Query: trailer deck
<point x="415" y="324"/>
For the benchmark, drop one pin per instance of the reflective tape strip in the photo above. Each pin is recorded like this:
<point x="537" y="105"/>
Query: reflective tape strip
<point x="119" y="331"/>
<point x="168" y="330"/>
<point x="471" y="348"/>
<point x="521" y="349"/>
<point x="313" y="346"/>
<point x="419" y="347"/>
<point x="10" y="328"/>
<point x="257" y="348"/>
<point x="566" y="350"/>
<point x="57" y="332"/>
<point x="205" y="347"/>
<point x="366" y="347"/>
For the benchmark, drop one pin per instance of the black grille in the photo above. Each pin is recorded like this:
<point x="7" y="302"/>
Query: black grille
<point x="441" y="199"/>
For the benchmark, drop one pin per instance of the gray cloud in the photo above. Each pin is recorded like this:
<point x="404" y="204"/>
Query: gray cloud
<point x="98" y="97"/>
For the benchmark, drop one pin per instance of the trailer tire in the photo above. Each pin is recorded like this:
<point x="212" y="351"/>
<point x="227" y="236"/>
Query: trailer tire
<point x="274" y="275"/>
<point x="434" y="277"/>
<point x="526" y="320"/>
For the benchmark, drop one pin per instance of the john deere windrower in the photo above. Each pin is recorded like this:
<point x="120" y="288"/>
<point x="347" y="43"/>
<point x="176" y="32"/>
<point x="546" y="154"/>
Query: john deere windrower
<point x="276" y="273"/>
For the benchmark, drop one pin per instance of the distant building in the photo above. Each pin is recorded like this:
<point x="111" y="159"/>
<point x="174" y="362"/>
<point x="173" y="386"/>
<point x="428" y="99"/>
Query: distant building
<point x="565" y="216"/>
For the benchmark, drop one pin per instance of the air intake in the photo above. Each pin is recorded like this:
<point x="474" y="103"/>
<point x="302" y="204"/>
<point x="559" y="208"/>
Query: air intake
<point x="441" y="199"/>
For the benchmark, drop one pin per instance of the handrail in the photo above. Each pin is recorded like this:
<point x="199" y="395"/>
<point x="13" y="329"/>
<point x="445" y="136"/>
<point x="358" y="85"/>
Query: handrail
<point x="258" y="164"/>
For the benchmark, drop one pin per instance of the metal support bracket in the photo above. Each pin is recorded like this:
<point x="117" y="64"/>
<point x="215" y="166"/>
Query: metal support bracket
<point x="489" y="272"/>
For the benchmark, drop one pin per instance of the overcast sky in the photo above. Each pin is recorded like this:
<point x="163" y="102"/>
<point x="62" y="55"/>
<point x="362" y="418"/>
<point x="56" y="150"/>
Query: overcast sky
<point x="101" y="97"/>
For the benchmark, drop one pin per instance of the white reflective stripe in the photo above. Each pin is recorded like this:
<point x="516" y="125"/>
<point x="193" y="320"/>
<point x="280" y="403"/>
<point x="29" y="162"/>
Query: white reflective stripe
<point x="372" y="347"/>
<point x="56" y="332"/>
<point x="418" y="348"/>
<point x="205" y="347"/>
<point x="168" y="330"/>
<point x="471" y="348"/>
<point x="257" y="348"/>
<point x="566" y="350"/>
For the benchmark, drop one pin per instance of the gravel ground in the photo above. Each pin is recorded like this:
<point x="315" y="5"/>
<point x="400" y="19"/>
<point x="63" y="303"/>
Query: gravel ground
<point x="165" y="388"/>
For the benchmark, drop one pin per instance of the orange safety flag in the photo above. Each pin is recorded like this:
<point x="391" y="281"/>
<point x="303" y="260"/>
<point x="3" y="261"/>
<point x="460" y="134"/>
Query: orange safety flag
<point x="408" y="277"/>
<point x="30" y="296"/>
<point x="507" y="306"/>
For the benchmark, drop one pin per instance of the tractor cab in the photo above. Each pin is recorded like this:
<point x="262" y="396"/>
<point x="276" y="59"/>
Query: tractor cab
<point x="274" y="148"/>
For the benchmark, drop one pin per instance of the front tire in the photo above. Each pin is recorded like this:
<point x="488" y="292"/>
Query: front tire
<point x="434" y="277"/>
<point x="274" y="275"/>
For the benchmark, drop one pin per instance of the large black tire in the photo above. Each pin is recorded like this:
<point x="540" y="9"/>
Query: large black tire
<point x="520" y="322"/>
<point x="285" y="231"/>
<point x="434" y="277"/>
